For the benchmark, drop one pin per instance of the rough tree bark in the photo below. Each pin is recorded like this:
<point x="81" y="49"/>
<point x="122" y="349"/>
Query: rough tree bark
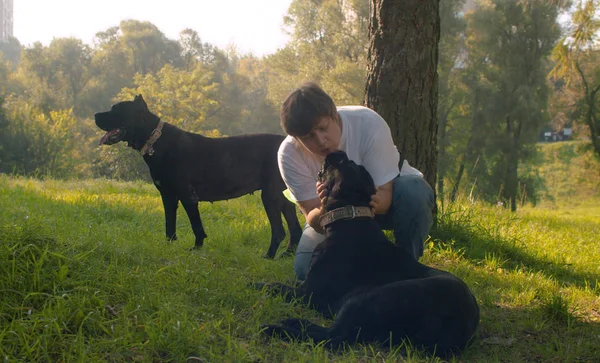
<point x="402" y="76"/>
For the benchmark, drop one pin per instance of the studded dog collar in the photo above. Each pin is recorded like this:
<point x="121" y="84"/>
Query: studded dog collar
<point x="156" y="133"/>
<point x="347" y="212"/>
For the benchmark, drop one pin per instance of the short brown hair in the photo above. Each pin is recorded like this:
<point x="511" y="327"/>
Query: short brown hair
<point x="304" y="107"/>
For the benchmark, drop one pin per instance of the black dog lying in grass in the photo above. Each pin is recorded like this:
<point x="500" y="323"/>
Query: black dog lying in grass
<point x="375" y="290"/>
<point x="188" y="167"/>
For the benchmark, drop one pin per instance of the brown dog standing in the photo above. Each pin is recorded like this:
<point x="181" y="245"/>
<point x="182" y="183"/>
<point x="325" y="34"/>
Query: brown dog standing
<point x="189" y="168"/>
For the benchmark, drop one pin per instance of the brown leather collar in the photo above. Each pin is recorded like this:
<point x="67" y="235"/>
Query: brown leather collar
<point x="156" y="133"/>
<point x="347" y="212"/>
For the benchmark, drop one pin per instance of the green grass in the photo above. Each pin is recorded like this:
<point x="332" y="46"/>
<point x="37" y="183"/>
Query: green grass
<point x="86" y="275"/>
<point x="571" y="174"/>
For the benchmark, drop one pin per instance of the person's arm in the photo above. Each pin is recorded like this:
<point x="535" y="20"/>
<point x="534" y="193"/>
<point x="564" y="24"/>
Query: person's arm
<point x="381" y="161"/>
<point x="313" y="209"/>
<point x="382" y="199"/>
<point x="313" y="212"/>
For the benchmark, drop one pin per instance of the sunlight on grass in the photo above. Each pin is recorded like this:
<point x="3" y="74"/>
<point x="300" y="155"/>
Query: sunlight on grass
<point x="89" y="276"/>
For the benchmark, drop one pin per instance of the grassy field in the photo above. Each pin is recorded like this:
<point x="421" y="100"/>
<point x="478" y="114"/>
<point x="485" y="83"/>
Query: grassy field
<point x="86" y="275"/>
<point x="570" y="173"/>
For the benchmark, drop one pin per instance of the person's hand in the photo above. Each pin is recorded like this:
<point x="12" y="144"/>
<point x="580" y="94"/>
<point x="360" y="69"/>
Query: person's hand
<point x="375" y="201"/>
<point x="322" y="192"/>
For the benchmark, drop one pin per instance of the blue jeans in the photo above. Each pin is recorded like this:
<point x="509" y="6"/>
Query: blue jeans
<point x="410" y="217"/>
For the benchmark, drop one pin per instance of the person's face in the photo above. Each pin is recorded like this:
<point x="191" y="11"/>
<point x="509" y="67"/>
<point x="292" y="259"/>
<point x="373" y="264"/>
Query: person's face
<point x="323" y="138"/>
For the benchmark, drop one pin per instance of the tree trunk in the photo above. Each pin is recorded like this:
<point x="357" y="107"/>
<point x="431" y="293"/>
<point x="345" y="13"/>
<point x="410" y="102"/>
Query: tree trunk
<point x="511" y="178"/>
<point x="590" y="114"/>
<point x="591" y="120"/>
<point x="442" y="168"/>
<point x="459" y="175"/>
<point x="511" y="181"/>
<point x="402" y="76"/>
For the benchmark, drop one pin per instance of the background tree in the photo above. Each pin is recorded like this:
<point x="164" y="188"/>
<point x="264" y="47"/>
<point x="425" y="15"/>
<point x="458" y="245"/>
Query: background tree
<point x="35" y="143"/>
<point x="260" y="113"/>
<point x="11" y="50"/>
<point x="489" y="67"/>
<point x="35" y="75"/>
<point x="111" y="70"/>
<point x="578" y="62"/>
<point x="181" y="98"/>
<point x="70" y="62"/>
<point x="516" y="85"/>
<point x="120" y="53"/>
<point x="452" y="94"/>
<point x="328" y="45"/>
<point x="193" y="50"/>
<point x="402" y="78"/>
<point x="147" y="48"/>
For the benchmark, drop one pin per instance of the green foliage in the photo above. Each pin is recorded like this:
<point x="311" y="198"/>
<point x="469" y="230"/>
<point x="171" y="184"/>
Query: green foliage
<point x="11" y="50"/>
<point x="571" y="174"/>
<point x="491" y="102"/>
<point x="146" y="47"/>
<point x="35" y="143"/>
<point x="180" y="97"/>
<point x="119" y="162"/>
<point x="91" y="278"/>
<point x="189" y="83"/>
<point x="452" y="94"/>
<point x="329" y="45"/>
<point x="576" y="57"/>
<point x="508" y="93"/>
<point x="193" y="50"/>
<point x="70" y="68"/>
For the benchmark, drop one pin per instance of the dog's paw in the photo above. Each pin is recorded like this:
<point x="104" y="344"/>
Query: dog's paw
<point x="272" y="330"/>
<point x="297" y="324"/>
<point x="257" y="285"/>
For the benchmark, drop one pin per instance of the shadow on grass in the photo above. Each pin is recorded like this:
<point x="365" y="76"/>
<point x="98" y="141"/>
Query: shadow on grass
<point x="546" y="328"/>
<point x="479" y="242"/>
<point x="542" y="333"/>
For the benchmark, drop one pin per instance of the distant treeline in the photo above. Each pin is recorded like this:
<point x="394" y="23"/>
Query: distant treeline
<point x="495" y="92"/>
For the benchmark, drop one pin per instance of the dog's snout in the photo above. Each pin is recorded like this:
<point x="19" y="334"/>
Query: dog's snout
<point x="98" y="115"/>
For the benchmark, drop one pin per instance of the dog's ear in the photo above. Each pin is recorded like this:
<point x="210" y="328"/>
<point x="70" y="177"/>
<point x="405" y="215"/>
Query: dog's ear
<point x="367" y="180"/>
<point x="139" y="100"/>
<point x="332" y="180"/>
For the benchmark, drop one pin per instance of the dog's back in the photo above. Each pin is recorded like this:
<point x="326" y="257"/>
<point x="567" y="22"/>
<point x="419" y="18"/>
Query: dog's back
<point x="377" y="290"/>
<point x="436" y="313"/>
<point x="245" y="163"/>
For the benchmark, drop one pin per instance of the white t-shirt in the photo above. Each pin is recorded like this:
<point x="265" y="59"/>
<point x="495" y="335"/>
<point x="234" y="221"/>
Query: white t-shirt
<point x="367" y="140"/>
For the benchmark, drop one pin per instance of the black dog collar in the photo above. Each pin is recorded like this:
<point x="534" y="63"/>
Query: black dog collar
<point x="156" y="133"/>
<point x="347" y="212"/>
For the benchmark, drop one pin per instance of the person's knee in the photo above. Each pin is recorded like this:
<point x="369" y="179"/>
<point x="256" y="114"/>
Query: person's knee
<point x="412" y="203"/>
<point x="301" y="264"/>
<point x="308" y="241"/>
<point x="413" y="191"/>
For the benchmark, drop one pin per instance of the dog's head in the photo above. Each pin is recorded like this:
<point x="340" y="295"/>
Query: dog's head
<point x="347" y="183"/>
<point x="126" y="121"/>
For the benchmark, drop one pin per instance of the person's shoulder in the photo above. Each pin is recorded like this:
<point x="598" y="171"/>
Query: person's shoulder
<point x="355" y="110"/>
<point x="363" y="117"/>
<point x="286" y="144"/>
<point x="288" y="147"/>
